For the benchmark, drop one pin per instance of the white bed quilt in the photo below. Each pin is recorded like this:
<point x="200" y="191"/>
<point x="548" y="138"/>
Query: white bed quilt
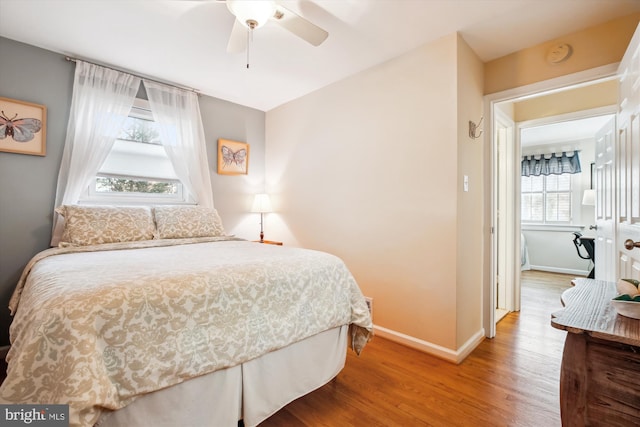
<point x="96" y="328"/>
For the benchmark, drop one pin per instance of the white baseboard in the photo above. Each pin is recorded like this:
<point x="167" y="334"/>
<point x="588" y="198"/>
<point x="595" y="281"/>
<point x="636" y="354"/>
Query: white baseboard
<point x="560" y="270"/>
<point x="455" y="356"/>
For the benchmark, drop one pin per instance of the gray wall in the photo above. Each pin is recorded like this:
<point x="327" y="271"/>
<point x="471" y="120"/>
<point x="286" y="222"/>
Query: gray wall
<point x="27" y="183"/>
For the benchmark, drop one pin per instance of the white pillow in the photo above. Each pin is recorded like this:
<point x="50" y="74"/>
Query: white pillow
<point x="178" y="222"/>
<point x="94" y="225"/>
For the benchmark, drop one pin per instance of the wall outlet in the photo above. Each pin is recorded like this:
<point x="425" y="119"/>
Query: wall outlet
<point x="369" y="301"/>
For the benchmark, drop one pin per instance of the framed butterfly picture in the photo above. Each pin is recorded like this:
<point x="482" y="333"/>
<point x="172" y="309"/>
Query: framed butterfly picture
<point x="23" y="127"/>
<point x="233" y="157"/>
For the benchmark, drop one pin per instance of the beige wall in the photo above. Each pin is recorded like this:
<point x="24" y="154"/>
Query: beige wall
<point x="469" y="208"/>
<point x="367" y="169"/>
<point x="593" y="47"/>
<point x="598" y="95"/>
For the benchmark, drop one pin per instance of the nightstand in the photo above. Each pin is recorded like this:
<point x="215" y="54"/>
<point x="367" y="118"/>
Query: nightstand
<point x="269" y="242"/>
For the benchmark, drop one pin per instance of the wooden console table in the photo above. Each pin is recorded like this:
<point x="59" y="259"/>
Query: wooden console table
<point x="600" y="374"/>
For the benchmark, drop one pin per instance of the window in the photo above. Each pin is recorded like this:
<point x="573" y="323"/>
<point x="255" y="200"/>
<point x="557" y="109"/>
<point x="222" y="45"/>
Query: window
<point x="137" y="169"/>
<point x="546" y="199"/>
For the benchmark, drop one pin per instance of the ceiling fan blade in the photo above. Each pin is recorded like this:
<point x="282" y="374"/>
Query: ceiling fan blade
<point x="299" y="26"/>
<point x="238" y="38"/>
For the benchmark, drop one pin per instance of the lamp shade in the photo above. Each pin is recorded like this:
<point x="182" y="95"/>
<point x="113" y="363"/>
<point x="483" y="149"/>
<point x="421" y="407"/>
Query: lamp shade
<point x="589" y="198"/>
<point x="262" y="203"/>
<point x="256" y="11"/>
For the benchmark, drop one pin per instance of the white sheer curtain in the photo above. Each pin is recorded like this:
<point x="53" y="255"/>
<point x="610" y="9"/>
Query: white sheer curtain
<point x="101" y="101"/>
<point x="177" y="114"/>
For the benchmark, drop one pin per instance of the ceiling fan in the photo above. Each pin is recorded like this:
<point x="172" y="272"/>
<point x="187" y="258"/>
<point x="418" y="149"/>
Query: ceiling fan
<point x="252" y="14"/>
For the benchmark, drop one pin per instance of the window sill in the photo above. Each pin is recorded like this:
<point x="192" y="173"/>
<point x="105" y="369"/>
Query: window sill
<point x="547" y="227"/>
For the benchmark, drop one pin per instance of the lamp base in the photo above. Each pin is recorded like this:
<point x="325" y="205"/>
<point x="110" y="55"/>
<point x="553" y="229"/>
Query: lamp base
<point x="261" y="237"/>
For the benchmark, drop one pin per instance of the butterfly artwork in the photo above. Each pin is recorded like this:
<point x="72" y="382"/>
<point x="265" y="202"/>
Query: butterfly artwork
<point x="20" y="130"/>
<point x="22" y="127"/>
<point x="230" y="157"/>
<point x="233" y="157"/>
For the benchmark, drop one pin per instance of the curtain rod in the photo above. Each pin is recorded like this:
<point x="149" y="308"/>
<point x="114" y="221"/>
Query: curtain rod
<point x="549" y="153"/>
<point x="71" y="59"/>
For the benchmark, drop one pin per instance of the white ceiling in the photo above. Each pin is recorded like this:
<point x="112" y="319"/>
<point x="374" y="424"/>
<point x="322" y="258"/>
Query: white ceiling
<point x="184" y="42"/>
<point x="564" y="132"/>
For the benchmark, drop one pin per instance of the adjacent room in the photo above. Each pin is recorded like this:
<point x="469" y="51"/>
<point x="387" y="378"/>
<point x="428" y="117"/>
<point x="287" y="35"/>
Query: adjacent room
<point x="312" y="212"/>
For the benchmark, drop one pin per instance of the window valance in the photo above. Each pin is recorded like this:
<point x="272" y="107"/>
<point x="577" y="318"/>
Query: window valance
<point x="554" y="165"/>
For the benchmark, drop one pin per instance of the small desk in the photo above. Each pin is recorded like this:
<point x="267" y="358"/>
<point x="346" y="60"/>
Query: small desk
<point x="600" y="373"/>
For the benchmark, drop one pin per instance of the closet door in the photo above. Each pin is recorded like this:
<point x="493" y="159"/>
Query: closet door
<point x="605" y="202"/>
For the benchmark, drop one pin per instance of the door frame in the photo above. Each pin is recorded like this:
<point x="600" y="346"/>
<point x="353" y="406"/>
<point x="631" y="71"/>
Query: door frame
<point x="490" y="101"/>
<point x="506" y="210"/>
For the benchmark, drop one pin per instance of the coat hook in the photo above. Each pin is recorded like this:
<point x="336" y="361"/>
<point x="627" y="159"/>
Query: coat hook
<point x="474" y="128"/>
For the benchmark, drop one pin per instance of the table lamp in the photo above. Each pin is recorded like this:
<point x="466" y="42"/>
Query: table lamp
<point x="261" y="205"/>
<point x="589" y="198"/>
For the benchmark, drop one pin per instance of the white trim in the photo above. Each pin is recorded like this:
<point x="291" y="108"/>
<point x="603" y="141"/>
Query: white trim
<point x="470" y="345"/>
<point x="558" y="84"/>
<point x="549" y="227"/>
<point x="560" y="270"/>
<point x="455" y="356"/>
<point x="506" y="148"/>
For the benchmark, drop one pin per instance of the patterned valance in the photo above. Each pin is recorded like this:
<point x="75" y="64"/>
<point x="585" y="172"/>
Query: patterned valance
<point x="556" y="165"/>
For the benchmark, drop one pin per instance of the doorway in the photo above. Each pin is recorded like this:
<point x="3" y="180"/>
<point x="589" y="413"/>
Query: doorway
<point x="505" y="200"/>
<point x="558" y="211"/>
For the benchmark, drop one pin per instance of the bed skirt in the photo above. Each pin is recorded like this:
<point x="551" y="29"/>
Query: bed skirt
<point x="252" y="391"/>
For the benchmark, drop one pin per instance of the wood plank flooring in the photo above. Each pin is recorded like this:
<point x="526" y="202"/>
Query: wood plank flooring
<point x="510" y="380"/>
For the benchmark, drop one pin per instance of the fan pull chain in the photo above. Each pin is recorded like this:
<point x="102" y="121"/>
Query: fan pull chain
<point x="249" y="41"/>
<point x="251" y="25"/>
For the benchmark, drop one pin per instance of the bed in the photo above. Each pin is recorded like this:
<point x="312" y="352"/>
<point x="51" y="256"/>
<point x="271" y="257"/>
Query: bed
<point x="155" y="317"/>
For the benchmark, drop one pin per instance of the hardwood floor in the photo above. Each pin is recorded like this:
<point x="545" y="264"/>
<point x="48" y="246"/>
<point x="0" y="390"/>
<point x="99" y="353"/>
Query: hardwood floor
<point x="510" y="380"/>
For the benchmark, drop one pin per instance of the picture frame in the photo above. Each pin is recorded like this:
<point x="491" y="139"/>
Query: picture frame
<point x="233" y="157"/>
<point x="23" y="127"/>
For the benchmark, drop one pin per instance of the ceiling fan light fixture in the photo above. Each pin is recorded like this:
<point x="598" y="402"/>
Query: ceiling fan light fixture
<point x="252" y="13"/>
